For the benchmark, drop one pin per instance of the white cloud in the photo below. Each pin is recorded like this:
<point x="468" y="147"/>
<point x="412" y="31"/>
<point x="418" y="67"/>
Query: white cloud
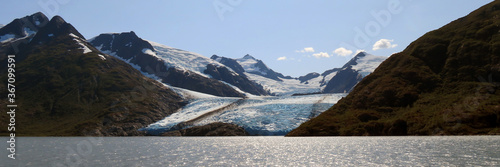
<point x="384" y="44"/>
<point x="342" y="51"/>
<point x="305" y="50"/>
<point x="281" y="58"/>
<point x="321" y="54"/>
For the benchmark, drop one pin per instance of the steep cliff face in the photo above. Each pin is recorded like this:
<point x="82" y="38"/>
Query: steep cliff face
<point x="444" y="83"/>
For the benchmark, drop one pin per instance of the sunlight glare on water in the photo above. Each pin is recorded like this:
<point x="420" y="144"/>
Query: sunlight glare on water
<point x="257" y="151"/>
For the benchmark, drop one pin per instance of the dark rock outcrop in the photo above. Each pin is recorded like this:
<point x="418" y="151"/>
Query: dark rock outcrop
<point x="309" y="76"/>
<point x="213" y="129"/>
<point x="343" y="81"/>
<point x="231" y="63"/>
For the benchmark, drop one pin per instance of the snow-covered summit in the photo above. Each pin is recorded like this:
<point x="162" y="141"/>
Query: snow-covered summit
<point x="176" y="67"/>
<point x="181" y="59"/>
<point x="368" y="64"/>
<point x="365" y="63"/>
<point x="253" y="65"/>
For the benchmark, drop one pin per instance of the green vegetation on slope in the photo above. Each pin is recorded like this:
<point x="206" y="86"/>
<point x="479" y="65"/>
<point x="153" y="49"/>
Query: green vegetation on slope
<point x="444" y="83"/>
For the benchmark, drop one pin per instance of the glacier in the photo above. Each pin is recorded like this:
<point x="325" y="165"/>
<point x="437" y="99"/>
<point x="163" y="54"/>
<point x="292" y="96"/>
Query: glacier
<point x="258" y="115"/>
<point x="181" y="59"/>
<point x="368" y="63"/>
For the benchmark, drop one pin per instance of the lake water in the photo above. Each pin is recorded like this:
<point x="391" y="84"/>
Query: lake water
<point x="254" y="151"/>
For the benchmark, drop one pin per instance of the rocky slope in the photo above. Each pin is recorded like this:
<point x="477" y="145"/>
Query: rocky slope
<point x="64" y="86"/>
<point x="444" y="83"/>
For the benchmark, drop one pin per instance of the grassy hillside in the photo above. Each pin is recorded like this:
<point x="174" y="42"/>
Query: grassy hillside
<point x="61" y="91"/>
<point x="444" y="83"/>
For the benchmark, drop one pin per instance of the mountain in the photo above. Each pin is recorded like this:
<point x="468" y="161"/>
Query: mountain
<point x="176" y="67"/>
<point x="352" y="72"/>
<point x="444" y="83"/>
<point x="273" y="82"/>
<point x="256" y="66"/>
<point x="22" y="27"/>
<point x="308" y="77"/>
<point x="65" y="86"/>
<point x="17" y="33"/>
<point x="231" y="63"/>
<point x="336" y="80"/>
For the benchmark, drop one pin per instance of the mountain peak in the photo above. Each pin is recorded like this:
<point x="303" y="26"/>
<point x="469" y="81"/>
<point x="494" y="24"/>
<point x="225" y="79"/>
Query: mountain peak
<point x="353" y="61"/>
<point x="247" y="56"/>
<point x="125" y="44"/>
<point x="58" y="20"/>
<point x="361" y="54"/>
<point x="56" y="27"/>
<point x="39" y="18"/>
<point x="23" y="27"/>
<point x="215" y="57"/>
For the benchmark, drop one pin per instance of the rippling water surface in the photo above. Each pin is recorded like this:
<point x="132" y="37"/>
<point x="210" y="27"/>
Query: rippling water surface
<point x="255" y="151"/>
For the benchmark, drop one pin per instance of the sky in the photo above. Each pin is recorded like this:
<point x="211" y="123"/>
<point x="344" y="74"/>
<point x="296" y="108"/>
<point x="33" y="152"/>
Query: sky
<point x="293" y="37"/>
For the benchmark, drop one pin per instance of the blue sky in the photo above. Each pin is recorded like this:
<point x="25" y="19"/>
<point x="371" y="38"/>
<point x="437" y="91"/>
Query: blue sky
<point x="291" y="36"/>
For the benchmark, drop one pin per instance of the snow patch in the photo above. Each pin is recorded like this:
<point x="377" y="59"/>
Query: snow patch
<point x="188" y="94"/>
<point x="28" y="32"/>
<point x="330" y="76"/>
<point x="128" y="44"/>
<point x="218" y="59"/>
<point x="183" y="60"/>
<point x="81" y="43"/>
<point x="7" y="38"/>
<point x="239" y="90"/>
<point x="367" y="64"/>
<point x="249" y="64"/>
<point x="102" y="57"/>
<point x="149" y="52"/>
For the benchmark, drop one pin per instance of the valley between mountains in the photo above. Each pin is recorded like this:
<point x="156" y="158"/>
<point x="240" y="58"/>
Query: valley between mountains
<point x="118" y="84"/>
